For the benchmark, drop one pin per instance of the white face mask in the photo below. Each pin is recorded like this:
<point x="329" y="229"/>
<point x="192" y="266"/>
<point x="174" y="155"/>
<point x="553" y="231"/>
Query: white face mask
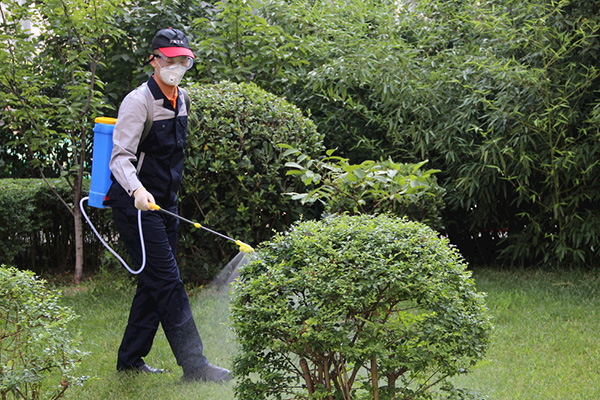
<point x="172" y="74"/>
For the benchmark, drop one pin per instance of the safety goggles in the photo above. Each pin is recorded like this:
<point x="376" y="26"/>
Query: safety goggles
<point x="165" y="62"/>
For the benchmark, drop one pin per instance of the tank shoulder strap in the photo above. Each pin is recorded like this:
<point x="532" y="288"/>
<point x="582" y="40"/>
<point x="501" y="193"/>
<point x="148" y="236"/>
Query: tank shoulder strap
<point x="186" y="98"/>
<point x="150" y="104"/>
<point x="150" y="115"/>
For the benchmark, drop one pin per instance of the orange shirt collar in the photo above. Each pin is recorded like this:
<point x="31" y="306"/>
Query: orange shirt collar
<point x="170" y="92"/>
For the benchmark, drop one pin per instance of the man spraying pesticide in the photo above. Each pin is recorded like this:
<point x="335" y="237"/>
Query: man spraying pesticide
<point x="147" y="165"/>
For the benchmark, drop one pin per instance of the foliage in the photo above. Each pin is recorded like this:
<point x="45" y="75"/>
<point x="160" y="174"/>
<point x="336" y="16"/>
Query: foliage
<point x="499" y="95"/>
<point x="236" y="43"/>
<point x="355" y="74"/>
<point x="234" y="176"/>
<point x="49" y="87"/>
<point x="539" y="134"/>
<point x="332" y="308"/>
<point x="37" y="351"/>
<point x="368" y="188"/>
<point x="36" y="231"/>
<point x="230" y="40"/>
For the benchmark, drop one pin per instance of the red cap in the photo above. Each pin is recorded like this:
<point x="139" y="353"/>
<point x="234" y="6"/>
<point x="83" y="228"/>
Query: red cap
<point x="172" y="43"/>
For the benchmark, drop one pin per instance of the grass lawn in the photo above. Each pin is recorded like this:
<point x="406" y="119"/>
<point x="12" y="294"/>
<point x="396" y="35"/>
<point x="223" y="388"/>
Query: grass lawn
<point x="104" y="307"/>
<point x="546" y="341"/>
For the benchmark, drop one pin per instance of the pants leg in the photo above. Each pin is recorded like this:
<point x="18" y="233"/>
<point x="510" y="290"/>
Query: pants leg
<point x="160" y="296"/>
<point x="187" y="347"/>
<point x="139" y="334"/>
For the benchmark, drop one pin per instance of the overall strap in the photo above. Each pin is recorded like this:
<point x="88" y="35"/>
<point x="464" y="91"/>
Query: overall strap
<point x="150" y="104"/>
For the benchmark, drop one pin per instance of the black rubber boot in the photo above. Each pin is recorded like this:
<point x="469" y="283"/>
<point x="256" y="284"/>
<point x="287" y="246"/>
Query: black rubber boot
<point x="187" y="347"/>
<point x="209" y="373"/>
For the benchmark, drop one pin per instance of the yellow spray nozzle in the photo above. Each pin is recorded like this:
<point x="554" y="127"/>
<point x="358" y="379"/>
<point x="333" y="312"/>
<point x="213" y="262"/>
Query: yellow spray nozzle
<point x="153" y="206"/>
<point x="244" y="248"/>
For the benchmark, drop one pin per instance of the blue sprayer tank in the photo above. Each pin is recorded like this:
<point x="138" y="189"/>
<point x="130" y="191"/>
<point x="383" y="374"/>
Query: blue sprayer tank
<point x="103" y="143"/>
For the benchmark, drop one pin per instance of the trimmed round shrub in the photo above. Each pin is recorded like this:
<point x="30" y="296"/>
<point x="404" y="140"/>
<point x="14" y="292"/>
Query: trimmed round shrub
<point x="361" y="307"/>
<point x="37" y="351"/>
<point x="235" y="176"/>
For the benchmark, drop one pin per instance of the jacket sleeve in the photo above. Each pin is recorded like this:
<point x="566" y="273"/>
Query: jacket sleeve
<point x="126" y="138"/>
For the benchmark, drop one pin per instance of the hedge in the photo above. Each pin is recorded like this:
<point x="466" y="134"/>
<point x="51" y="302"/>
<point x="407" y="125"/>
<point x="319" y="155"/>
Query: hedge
<point x="235" y="175"/>
<point x="36" y="230"/>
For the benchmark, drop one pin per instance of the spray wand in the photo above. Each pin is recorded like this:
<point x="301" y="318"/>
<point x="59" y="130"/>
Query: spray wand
<point x="244" y="248"/>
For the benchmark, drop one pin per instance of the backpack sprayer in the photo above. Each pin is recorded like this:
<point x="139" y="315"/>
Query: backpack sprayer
<point x="103" y="144"/>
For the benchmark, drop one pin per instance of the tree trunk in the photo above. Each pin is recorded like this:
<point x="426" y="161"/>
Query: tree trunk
<point x="375" y="378"/>
<point x="77" y="220"/>
<point x="307" y="377"/>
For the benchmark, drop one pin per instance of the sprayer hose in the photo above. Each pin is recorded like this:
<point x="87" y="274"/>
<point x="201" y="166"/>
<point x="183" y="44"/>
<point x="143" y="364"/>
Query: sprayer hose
<point x="114" y="253"/>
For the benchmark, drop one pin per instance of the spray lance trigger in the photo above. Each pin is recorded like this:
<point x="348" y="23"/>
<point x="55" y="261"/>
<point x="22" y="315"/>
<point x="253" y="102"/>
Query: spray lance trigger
<point x="244" y="248"/>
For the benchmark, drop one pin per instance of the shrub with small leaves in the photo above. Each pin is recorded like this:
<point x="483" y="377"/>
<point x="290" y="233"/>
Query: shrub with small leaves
<point x="361" y="307"/>
<point x="37" y="351"/>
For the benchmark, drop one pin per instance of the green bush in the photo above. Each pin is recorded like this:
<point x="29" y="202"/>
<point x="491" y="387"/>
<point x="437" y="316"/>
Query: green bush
<point x="370" y="187"/>
<point x="37" y="352"/>
<point x="500" y="96"/>
<point x="36" y="230"/>
<point x="356" y="307"/>
<point x="235" y="176"/>
<point x="533" y="168"/>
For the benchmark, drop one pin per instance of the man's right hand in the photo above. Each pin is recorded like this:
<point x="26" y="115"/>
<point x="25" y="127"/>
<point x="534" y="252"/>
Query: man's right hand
<point x="142" y="198"/>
